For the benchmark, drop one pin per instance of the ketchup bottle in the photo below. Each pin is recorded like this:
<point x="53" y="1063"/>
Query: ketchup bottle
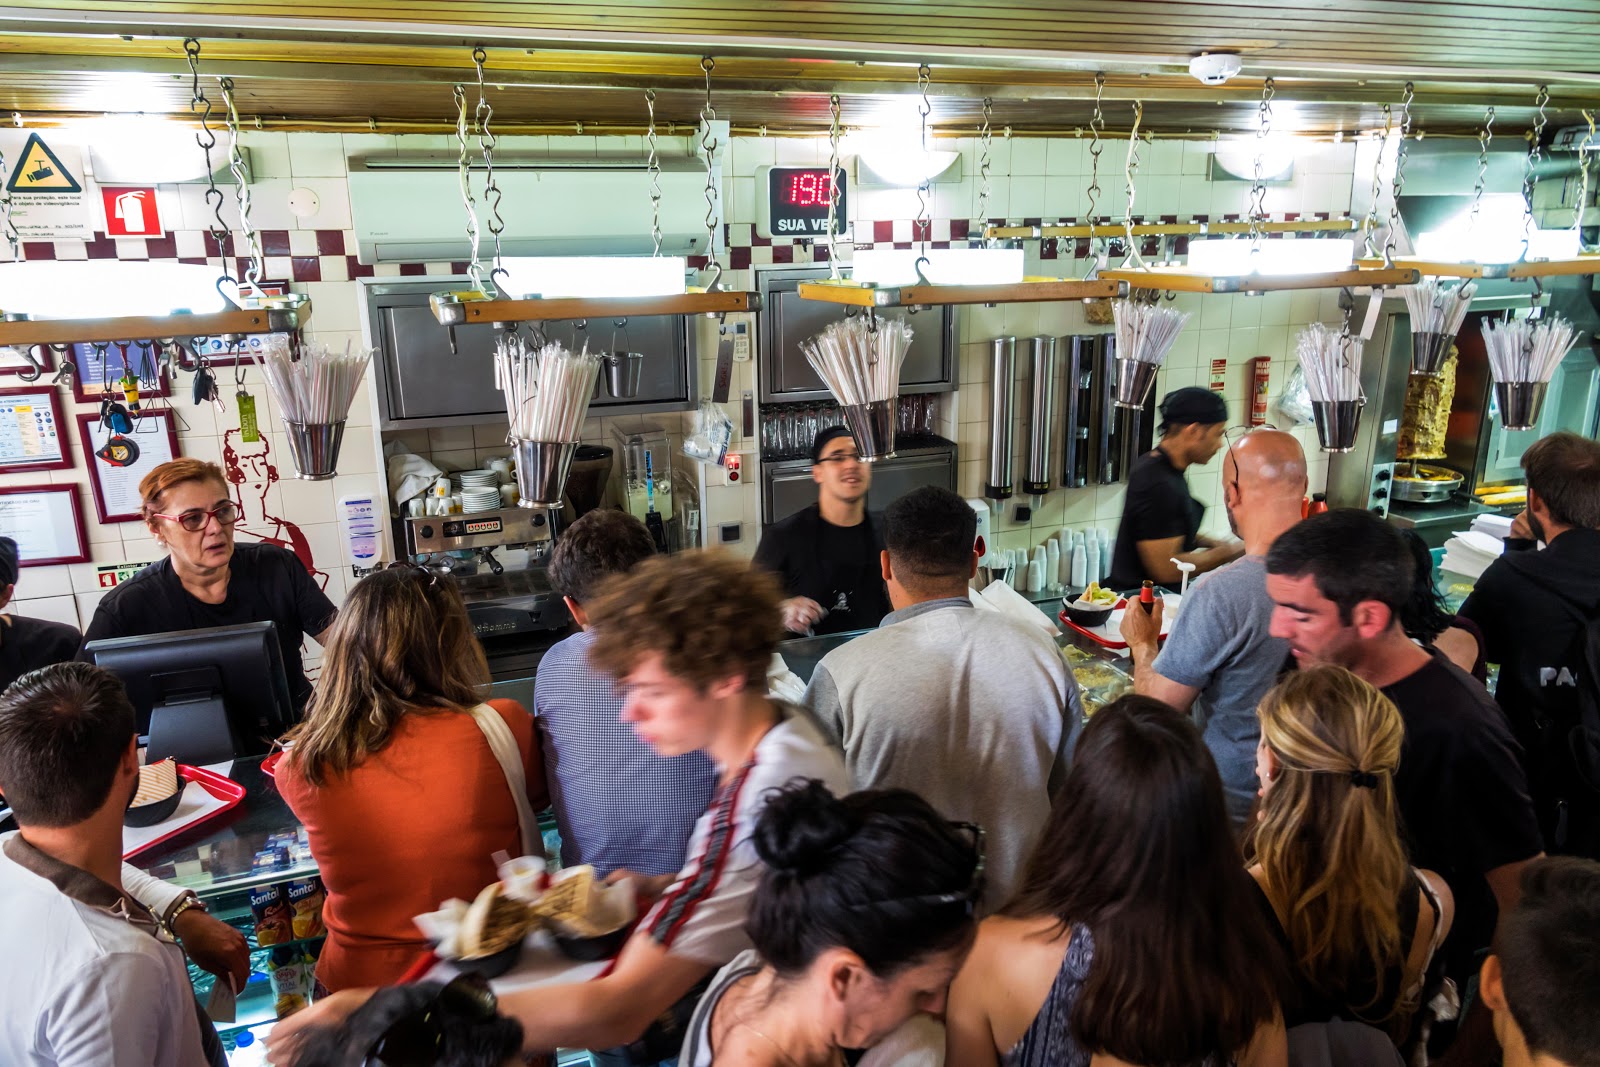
<point x="1319" y="503"/>
<point x="1147" y="597"/>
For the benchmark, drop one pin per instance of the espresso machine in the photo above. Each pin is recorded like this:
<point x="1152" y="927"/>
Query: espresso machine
<point x="498" y="560"/>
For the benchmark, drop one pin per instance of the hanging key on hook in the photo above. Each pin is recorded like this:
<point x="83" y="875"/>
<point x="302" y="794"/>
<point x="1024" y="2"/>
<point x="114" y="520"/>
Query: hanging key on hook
<point x="68" y="369"/>
<point x="249" y="431"/>
<point x="129" y="382"/>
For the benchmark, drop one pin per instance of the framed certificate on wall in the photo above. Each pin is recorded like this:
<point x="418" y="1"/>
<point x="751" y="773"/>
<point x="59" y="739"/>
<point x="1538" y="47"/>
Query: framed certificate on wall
<point x="31" y="435"/>
<point x="115" y="475"/>
<point x="46" y="521"/>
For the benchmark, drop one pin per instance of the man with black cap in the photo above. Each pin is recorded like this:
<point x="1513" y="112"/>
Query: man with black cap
<point x="28" y="644"/>
<point x="1160" y="520"/>
<point x="828" y="555"/>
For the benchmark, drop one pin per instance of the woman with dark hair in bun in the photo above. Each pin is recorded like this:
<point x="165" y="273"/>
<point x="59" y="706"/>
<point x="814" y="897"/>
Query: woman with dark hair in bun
<point x="863" y="916"/>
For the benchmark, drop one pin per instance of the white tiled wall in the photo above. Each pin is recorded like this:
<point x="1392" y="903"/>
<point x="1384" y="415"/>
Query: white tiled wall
<point x="1028" y="177"/>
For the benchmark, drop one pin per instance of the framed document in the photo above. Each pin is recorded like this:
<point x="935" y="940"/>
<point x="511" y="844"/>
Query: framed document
<point x="116" y="484"/>
<point x="100" y="367"/>
<point x="32" y="437"/>
<point x="46" y="521"/>
<point x="11" y="363"/>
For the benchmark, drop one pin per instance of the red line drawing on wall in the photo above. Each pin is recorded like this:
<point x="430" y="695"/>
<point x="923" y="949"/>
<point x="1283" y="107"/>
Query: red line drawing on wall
<point x="250" y="465"/>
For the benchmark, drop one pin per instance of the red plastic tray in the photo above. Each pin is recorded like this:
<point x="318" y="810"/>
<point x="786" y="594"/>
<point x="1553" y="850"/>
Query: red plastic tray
<point x="227" y="790"/>
<point x="269" y="766"/>
<point x="1099" y="638"/>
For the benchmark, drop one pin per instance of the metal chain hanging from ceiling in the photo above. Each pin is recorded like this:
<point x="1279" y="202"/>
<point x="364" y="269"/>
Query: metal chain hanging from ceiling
<point x="241" y="192"/>
<point x="985" y="146"/>
<point x="1258" y="187"/>
<point x="833" y="186"/>
<point x="1485" y="138"/>
<point x="924" y="222"/>
<point x="709" y="146"/>
<point x="464" y="177"/>
<point x="652" y="166"/>
<point x="1530" y="174"/>
<point x="1399" y="177"/>
<point x="1097" y="124"/>
<point x="492" y="196"/>
<point x="1129" y="169"/>
<point x="1583" y="177"/>
<point x="200" y="105"/>
<point x="1369" y="226"/>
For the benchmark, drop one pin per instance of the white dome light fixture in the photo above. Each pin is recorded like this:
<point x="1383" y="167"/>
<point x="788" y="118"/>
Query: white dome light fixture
<point x="1215" y="68"/>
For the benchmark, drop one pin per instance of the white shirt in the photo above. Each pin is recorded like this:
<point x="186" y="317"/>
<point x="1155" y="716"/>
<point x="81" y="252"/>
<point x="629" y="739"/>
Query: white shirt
<point x="86" y="982"/>
<point x="701" y="917"/>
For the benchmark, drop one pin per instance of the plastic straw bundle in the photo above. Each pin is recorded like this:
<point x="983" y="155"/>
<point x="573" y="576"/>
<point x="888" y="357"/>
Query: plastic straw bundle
<point x="1331" y="361"/>
<point x="547" y="389"/>
<point x="1435" y="309"/>
<point x="317" y="387"/>
<point x="1146" y="331"/>
<point x="1528" y="350"/>
<point x="859" y="359"/>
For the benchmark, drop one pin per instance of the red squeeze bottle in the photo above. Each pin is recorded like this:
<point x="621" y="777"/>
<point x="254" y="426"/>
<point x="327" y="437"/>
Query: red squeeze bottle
<point x="1319" y="503"/>
<point x="1147" y="597"/>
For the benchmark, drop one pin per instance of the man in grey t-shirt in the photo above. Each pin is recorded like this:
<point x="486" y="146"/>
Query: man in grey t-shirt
<point x="1220" y="658"/>
<point x="972" y="709"/>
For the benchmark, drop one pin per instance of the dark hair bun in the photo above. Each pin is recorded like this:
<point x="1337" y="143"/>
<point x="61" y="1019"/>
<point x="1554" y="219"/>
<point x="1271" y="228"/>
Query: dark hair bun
<point x="801" y="826"/>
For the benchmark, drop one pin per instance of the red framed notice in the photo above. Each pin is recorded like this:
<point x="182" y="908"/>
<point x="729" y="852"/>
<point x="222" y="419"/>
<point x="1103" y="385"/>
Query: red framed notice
<point x="46" y="521"/>
<point x="32" y="435"/>
<point x="100" y="368"/>
<point x="11" y="363"/>
<point x="116" y="488"/>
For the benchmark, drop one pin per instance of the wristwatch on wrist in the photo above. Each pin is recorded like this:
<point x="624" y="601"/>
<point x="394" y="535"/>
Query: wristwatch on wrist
<point x="187" y="901"/>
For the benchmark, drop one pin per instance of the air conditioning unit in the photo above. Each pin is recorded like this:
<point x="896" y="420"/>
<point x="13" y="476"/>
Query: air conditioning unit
<point x="409" y="207"/>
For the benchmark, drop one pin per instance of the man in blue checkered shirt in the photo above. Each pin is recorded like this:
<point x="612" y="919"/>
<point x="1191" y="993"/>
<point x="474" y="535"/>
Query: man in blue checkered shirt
<point x="617" y="803"/>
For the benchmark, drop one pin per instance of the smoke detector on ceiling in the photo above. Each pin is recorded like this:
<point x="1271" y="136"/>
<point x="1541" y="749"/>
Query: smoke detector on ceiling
<point x="1214" y="68"/>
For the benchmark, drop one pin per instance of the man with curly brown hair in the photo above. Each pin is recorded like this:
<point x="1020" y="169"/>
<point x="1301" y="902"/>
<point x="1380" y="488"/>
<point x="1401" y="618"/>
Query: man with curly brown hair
<point x="689" y="638"/>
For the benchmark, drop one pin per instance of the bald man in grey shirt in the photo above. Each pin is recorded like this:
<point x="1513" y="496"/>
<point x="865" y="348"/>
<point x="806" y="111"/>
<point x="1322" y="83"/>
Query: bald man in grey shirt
<point x="1220" y="658"/>
<point x="973" y="710"/>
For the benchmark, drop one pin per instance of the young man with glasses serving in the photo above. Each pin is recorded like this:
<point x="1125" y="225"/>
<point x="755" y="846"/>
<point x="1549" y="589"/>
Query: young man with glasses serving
<point x="826" y="555"/>
<point x="206" y="580"/>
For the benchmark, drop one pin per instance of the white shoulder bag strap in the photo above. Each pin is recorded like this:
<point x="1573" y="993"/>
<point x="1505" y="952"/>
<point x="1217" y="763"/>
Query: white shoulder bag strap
<point x="504" y="747"/>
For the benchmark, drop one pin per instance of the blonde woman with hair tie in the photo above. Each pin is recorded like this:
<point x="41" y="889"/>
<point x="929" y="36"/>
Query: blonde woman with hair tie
<point x="1359" y="922"/>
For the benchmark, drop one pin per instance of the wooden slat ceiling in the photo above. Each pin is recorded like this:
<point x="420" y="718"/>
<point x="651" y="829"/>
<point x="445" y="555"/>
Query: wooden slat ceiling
<point x="358" y="64"/>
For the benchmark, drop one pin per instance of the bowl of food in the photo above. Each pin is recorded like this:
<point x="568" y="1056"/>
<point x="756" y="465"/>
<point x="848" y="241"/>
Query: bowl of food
<point x="492" y="932"/>
<point x="1093" y="608"/>
<point x="587" y="919"/>
<point x="160" y="790"/>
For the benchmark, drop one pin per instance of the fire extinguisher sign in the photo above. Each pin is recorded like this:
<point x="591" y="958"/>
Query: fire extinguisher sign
<point x="131" y="211"/>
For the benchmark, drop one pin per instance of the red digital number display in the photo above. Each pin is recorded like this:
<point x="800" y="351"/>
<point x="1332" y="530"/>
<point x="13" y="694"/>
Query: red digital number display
<point x="809" y="188"/>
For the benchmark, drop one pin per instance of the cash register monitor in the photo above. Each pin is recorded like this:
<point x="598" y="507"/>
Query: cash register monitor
<point x="203" y="696"/>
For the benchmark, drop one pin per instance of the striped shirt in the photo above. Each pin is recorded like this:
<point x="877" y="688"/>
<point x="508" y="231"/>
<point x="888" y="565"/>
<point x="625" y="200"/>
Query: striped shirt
<point x="701" y="917"/>
<point x="618" y="804"/>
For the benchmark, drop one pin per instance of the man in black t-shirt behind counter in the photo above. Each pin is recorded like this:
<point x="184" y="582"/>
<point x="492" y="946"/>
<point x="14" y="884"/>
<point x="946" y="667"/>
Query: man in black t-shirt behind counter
<point x="27" y="644"/>
<point x="1160" y="520"/>
<point x="1338" y="582"/>
<point x="829" y="555"/>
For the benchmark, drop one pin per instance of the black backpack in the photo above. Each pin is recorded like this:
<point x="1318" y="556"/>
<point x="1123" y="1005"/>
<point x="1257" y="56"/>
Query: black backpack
<point x="1584" y="738"/>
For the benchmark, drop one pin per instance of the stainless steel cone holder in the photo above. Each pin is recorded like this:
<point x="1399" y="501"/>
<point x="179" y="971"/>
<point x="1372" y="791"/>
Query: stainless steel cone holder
<point x="1429" y="351"/>
<point x="1520" y="403"/>
<point x="314" y="447"/>
<point x="1337" y="421"/>
<point x="623" y="371"/>
<point x="1135" y="379"/>
<point x="542" y="468"/>
<point x="872" y="426"/>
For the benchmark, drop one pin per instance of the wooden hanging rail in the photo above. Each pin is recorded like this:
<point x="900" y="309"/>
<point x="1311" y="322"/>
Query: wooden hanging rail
<point x="269" y="319"/>
<point x="1183" y="280"/>
<point x="467" y="309"/>
<point x="1532" y="268"/>
<point x="1169" y="229"/>
<point x="1027" y="291"/>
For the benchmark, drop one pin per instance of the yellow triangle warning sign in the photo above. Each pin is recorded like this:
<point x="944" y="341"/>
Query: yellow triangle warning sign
<point x="39" y="170"/>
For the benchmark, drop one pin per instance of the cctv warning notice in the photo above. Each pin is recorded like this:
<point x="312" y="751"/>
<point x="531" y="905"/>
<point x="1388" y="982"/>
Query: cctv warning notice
<point x="45" y="181"/>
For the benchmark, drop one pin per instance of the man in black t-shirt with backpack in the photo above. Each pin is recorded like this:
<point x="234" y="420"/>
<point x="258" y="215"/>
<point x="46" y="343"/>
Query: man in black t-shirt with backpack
<point x="1539" y="611"/>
